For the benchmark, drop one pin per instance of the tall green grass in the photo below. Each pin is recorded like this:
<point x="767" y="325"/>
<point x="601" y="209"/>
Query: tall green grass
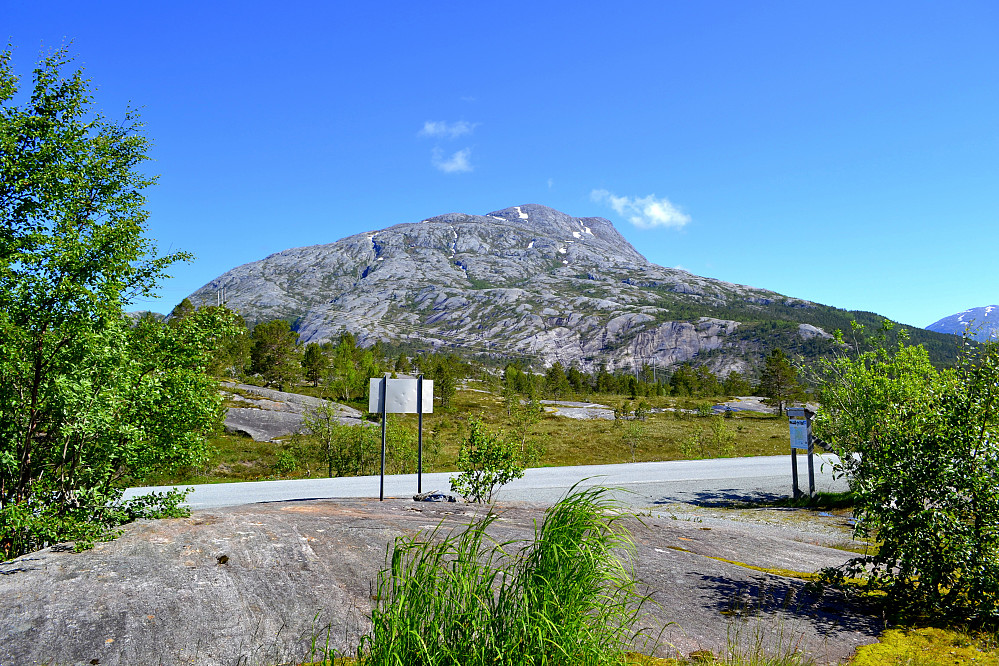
<point x="463" y="599"/>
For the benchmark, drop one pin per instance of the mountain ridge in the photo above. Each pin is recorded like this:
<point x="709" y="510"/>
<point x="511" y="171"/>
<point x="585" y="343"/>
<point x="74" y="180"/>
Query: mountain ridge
<point x="981" y="323"/>
<point x="528" y="281"/>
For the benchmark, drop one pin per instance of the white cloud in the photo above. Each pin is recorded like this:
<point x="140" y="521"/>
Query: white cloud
<point x="644" y="212"/>
<point x="457" y="163"/>
<point x="551" y="183"/>
<point x="444" y="130"/>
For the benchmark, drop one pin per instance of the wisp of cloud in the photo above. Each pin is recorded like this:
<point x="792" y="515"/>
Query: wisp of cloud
<point x="644" y="212"/>
<point x="457" y="163"/>
<point x="444" y="130"/>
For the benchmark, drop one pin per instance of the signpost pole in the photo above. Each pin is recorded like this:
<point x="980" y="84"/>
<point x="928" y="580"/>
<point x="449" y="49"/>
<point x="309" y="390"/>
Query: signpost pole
<point x="419" y="433"/>
<point x="384" y="391"/>
<point x="395" y="396"/>
<point x="795" y="491"/>
<point x="800" y="424"/>
<point x="811" y="462"/>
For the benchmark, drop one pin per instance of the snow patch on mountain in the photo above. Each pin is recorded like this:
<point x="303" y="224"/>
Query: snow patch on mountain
<point x="980" y="323"/>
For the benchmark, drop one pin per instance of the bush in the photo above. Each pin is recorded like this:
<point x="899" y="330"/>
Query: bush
<point x="486" y="462"/>
<point x="921" y="449"/>
<point x="345" y="450"/>
<point x="90" y="400"/>
<point x="32" y="524"/>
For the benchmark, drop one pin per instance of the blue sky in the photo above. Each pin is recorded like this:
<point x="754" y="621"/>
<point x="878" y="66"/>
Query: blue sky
<point x="843" y="152"/>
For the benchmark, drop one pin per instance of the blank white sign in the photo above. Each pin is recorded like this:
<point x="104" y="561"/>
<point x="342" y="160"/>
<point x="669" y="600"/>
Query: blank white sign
<point x="400" y="396"/>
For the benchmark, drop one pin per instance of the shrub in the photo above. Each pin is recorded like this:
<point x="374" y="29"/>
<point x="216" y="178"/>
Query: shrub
<point x="33" y="524"/>
<point x="345" y="450"/>
<point x="921" y="449"/>
<point x="486" y="462"/>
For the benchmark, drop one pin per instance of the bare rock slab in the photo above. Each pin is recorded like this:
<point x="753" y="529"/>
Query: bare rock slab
<point x="271" y="414"/>
<point x="276" y="583"/>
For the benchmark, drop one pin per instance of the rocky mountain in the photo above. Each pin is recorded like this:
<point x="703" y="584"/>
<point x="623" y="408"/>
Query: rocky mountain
<point x="526" y="281"/>
<point x="981" y="323"/>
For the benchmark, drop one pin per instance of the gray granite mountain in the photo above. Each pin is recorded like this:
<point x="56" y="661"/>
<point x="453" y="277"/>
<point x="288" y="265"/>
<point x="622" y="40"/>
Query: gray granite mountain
<point x="981" y="323"/>
<point x="526" y="280"/>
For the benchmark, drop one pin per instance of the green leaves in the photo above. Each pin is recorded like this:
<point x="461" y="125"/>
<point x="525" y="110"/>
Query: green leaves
<point x="568" y="596"/>
<point x="88" y="402"/>
<point x="779" y="381"/>
<point x="346" y="450"/>
<point x="445" y="370"/>
<point x="314" y="363"/>
<point x="921" y="449"/>
<point x="273" y="352"/>
<point x="487" y="462"/>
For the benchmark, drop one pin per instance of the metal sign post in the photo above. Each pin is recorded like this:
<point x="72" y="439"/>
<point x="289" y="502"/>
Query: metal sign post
<point x="419" y="433"/>
<point x="401" y="396"/>
<point x="800" y="424"/>
<point x="384" y="390"/>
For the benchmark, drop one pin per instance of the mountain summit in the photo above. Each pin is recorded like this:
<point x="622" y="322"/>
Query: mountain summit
<point x="523" y="281"/>
<point x="981" y="323"/>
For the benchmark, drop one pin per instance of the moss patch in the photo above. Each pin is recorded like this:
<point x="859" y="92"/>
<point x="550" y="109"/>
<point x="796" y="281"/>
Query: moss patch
<point x="786" y="573"/>
<point x="928" y="647"/>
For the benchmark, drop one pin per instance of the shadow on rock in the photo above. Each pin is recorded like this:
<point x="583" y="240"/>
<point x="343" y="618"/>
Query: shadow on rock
<point x="725" y="497"/>
<point x="827" y="610"/>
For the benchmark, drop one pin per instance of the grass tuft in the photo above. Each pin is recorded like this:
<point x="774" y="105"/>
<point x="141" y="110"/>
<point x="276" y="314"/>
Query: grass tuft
<point x="568" y="597"/>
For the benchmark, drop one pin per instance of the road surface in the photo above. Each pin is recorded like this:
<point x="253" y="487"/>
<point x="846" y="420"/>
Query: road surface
<point x="719" y="480"/>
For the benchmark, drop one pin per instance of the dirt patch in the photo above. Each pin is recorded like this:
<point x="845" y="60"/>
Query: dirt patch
<point x="257" y="584"/>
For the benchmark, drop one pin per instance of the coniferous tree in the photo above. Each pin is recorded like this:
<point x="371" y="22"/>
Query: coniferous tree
<point x="736" y="384"/>
<point x="402" y="364"/>
<point x="577" y="380"/>
<point x="181" y="311"/>
<point x="273" y="354"/>
<point x="315" y="363"/>
<point x="779" y="381"/>
<point x="556" y="382"/>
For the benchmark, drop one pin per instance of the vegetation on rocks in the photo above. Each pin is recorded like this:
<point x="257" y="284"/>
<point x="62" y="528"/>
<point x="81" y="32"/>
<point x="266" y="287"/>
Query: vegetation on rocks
<point x="543" y="439"/>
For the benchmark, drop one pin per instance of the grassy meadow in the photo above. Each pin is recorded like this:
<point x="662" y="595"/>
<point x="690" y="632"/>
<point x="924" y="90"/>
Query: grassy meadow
<point x="553" y="440"/>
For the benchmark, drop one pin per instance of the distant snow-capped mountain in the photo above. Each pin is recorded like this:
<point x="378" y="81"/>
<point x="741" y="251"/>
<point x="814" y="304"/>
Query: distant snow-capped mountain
<point x="981" y="323"/>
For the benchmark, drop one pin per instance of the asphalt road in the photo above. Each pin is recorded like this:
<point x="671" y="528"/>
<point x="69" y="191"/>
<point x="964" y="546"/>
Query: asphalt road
<point x="719" y="480"/>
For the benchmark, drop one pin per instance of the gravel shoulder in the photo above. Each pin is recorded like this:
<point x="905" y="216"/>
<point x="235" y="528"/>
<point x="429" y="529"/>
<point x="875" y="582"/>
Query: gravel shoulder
<point x="256" y="584"/>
